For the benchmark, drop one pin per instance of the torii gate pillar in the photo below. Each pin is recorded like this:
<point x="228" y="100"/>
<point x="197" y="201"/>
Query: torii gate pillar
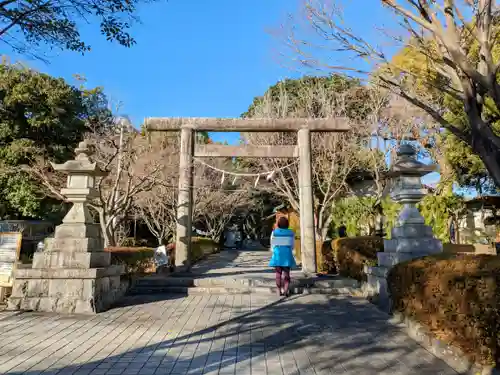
<point x="308" y="232"/>
<point x="185" y="201"/>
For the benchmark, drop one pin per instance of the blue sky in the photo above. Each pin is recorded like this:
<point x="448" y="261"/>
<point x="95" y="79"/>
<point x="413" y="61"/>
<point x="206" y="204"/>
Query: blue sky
<point x="194" y="58"/>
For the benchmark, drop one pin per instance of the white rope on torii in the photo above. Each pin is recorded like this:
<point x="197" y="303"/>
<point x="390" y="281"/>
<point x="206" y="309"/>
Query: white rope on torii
<point x="269" y="174"/>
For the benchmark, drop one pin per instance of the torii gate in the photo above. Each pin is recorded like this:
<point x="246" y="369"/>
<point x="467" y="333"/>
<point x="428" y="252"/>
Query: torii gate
<point x="189" y="126"/>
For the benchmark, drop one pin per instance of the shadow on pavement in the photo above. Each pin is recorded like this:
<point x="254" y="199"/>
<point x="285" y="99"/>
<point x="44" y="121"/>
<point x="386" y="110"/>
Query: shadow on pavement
<point x="295" y="336"/>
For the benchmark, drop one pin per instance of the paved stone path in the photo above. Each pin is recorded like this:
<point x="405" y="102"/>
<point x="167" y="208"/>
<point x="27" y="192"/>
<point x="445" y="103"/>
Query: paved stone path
<point x="239" y="264"/>
<point x="215" y="334"/>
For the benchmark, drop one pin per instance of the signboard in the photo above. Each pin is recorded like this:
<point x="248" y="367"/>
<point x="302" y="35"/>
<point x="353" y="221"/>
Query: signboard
<point x="10" y="247"/>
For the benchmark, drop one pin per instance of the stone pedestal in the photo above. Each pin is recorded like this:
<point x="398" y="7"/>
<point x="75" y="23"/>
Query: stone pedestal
<point x="410" y="238"/>
<point x="73" y="274"/>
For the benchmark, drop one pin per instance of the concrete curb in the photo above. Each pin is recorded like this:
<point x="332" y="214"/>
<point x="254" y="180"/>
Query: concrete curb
<point x="453" y="356"/>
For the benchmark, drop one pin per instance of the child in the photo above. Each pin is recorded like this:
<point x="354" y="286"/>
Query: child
<point x="282" y="243"/>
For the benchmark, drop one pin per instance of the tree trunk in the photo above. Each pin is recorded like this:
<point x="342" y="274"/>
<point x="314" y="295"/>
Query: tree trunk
<point x="485" y="147"/>
<point x="322" y="231"/>
<point x="104" y="230"/>
<point x="457" y="231"/>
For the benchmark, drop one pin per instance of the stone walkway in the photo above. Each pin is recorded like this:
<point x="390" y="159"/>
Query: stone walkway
<point x="215" y="334"/>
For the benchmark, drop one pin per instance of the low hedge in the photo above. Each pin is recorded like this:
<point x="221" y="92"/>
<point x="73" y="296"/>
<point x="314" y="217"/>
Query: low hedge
<point x="323" y="251"/>
<point x="202" y="246"/>
<point x="328" y="264"/>
<point x="140" y="260"/>
<point x="137" y="260"/>
<point x="456" y="296"/>
<point x="350" y="254"/>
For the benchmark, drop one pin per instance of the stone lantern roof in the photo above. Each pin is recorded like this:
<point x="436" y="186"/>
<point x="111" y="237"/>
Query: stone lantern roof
<point x="81" y="164"/>
<point x="408" y="165"/>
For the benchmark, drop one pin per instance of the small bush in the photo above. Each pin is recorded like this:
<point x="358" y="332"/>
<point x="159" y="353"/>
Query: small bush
<point x="350" y="254"/>
<point x="456" y="296"/>
<point x="323" y="251"/>
<point x="328" y="257"/>
<point x="202" y="246"/>
<point x="137" y="260"/>
<point x="140" y="260"/>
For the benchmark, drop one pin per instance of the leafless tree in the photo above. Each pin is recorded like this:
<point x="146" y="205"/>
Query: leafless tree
<point x="218" y="198"/>
<point x="214" y="202"/>
<point x="452" y="52"/>
<point x="334" y="156"/>
<point x="157" y="206"/>
<point x="218" y="208"/>
<point x="132" y="168"/>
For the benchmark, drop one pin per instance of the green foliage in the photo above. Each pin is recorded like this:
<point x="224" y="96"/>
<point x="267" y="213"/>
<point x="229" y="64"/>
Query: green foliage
<point x="27" y="24"/>
<point x="468" y="168"/>
<point x="391" y="212"/>
<point x="356" y="212"/>
<point x="439" y="210"/>
<point x="40" y="117"/>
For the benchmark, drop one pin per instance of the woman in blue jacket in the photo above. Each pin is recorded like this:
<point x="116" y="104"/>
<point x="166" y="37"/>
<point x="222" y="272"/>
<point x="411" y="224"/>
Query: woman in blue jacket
<point x="282" y="243"/>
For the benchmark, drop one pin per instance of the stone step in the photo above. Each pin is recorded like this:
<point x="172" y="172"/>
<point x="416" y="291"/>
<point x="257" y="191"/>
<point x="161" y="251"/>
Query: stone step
<point x="142" y="290"/>
<point x="190" y="285"/>
<point x="159" y="281"/>
<point x="211" y="282"/>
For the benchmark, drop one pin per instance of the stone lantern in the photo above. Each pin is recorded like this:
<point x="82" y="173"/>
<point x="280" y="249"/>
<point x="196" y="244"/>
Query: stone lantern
<point x="80" y="185"/>
<point x="410" y="238"/>
<point x="73" y="273"/>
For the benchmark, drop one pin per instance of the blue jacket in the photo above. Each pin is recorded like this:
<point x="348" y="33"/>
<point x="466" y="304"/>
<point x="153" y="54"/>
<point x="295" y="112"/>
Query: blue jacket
<point x="282" y="244"/>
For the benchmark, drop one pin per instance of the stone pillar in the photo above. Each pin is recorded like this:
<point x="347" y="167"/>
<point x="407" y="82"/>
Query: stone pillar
<point x="73" y="274"/>
<point x="308" y="233"/>
<point x="410" y="238"/>
<point x="185" y="201"/>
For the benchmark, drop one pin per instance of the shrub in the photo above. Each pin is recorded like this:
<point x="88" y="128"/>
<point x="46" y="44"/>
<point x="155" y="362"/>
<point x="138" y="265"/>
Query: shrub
<point x="202" y="246"/>
<point x="320" y="267"/>
<point x="140" y="260"/>
<point x="456" y="296"/>
<point x="137" y="260"/>
<point x="328" y="257"/>
<point x="324" y="257"/>
<point x="352" y="253"/>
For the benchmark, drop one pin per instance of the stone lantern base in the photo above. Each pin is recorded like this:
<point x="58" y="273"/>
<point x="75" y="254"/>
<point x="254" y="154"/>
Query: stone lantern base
<point x="411" y="239"/>
<point x="72" y="275"/>
<point x="79" y="291"/>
